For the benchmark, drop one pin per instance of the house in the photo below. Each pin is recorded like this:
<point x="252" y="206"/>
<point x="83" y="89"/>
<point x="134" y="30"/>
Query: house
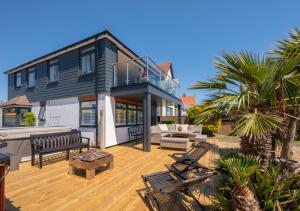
<point x="97" y="85"/>
<point x="188" y="102"/>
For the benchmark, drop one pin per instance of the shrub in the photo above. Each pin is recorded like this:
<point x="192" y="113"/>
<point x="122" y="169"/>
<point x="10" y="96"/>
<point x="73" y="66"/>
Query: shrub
<point x="211" y="129"/>
<point x="168" y="121"/>
<point x="208" y="128"/>
<point x="29" y="119"/>
<point x="275" y="189"/>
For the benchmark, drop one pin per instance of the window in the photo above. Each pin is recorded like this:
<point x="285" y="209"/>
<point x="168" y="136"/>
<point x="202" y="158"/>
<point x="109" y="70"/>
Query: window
<point x="139" y="115"/>
<point x="31" y="77"/>
<point x="169" y="111"/>
<point x="87" y="60"/>
<point x="42" y="113"/>
<point x="53" y="70"/>
<point x="18" y="79"/>
<point x="120" y="114"/>
<point x="131" y="114"/>
<point x="88" y="113"/>
<point x="9" y="117"/>
<point x="127" y="114"/>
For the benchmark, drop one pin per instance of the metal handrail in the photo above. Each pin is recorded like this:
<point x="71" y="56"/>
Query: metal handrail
<point x="147" y="63"/>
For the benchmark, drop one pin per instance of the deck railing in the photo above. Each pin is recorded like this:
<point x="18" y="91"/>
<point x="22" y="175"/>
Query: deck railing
<point x="142" y="70"/>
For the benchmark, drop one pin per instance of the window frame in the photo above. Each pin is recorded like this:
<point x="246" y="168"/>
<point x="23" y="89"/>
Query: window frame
<point x="138" y="108"/>
<point x="43" y="118"/>
<point x="29" y="71"/>
<point x="84" y="51"/>
<point x="16" y="79"/>
<point x="116" y="108"/>
<point x="87" y="108"/>
<point x="54" y="62"/>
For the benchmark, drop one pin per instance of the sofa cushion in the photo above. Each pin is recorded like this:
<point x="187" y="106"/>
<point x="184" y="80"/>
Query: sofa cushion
<point x="171" y="127"/>
<point x="195" y="128"/>
<point x="163" y="127"/>
<point x="184" y="128"/>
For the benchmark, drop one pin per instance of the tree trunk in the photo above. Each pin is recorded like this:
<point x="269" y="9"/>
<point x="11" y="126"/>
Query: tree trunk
<point x="288" y="136"/>
<point x="244" y="200"/>
<point x="258" y="147"/>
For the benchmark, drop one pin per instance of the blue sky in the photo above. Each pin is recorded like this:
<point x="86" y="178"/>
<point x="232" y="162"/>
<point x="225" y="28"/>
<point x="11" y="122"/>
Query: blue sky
<point x="189" y="33"/>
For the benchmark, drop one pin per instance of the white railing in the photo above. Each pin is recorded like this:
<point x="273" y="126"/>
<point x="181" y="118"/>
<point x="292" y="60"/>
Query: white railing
<point x="141" y="70"/>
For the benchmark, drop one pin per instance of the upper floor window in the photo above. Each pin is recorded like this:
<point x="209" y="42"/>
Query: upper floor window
<point x="53" y="72"/>
<point x="31" y="77"/>
<point x="87" y="60"/>
<point x="18" y="79"/>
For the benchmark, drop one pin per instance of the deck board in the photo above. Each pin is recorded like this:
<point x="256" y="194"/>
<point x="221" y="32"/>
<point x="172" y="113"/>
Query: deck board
<point x="51" y="188"/>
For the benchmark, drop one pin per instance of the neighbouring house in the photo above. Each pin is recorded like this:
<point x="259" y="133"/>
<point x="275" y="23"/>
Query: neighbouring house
<point x="187" y="102"/>
<point x="13" y="110"/>
<point x="98" y="86"/>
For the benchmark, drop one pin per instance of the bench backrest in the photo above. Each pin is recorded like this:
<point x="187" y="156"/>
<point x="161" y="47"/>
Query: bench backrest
<point x="53" y="140"/>
<point x="137" y="130"/>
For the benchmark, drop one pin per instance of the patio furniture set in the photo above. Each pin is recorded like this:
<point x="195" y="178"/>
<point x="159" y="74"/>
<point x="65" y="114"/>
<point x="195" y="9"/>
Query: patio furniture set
<point x="89" y="161"/>
<point x="180" y="177"/>
<point x="176" y="135"/>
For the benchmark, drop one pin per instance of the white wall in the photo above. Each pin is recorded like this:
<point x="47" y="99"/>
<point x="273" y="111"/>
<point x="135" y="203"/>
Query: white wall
<point x="64" y="112"/>
<point x="106" y="104"/>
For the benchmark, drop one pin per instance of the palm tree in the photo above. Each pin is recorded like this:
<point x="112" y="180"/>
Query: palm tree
<point x="238" y="169"/>
<point x="247" y="88"/>
<point x="287" y="49"/>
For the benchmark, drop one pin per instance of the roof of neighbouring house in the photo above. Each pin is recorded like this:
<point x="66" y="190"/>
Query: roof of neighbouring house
<point x="166" y="67"/>
<point x="16" y="101"/>
<point x="189" y="100"/>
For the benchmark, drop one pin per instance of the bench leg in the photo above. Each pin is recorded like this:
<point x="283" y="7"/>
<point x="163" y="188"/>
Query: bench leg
<point x="40" y="161"/>
<point x="80" y="150"/>
<point x="90" y="174"/>
<point x="32" y="159"/>
<point x="71" y="170"/>
<point x="68" y="155"/>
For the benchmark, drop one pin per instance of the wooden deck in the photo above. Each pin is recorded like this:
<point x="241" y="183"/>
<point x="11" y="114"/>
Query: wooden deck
<point x="121" y="188"/>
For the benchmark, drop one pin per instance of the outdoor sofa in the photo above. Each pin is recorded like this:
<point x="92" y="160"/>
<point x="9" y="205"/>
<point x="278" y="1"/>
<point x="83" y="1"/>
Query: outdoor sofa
<point x="162" y="130"/>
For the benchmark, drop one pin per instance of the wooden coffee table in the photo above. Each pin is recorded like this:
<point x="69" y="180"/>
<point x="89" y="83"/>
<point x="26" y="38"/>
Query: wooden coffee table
<point x="90" y="161"/>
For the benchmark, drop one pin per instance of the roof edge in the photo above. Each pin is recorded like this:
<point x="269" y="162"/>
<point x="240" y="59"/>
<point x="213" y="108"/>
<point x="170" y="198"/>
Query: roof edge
<point x="70" y="47"/>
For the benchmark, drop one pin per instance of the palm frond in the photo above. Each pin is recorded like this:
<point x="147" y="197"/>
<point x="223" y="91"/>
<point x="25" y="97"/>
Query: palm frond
<point x="239" y="167"/>
<point x="257" y="125"/>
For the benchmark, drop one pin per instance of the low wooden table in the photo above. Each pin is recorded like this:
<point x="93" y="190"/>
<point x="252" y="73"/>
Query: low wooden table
<point x="90" y="161"/>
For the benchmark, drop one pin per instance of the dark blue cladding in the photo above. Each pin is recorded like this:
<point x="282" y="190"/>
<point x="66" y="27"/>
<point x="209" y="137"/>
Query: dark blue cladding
<point x="70" y="83"/>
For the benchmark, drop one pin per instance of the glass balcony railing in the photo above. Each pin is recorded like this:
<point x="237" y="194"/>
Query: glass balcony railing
<point x="142" y="70"/>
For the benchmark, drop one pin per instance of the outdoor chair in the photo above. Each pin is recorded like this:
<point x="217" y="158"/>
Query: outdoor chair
<point x="161" y="187"/>
<point x="194" y="154"/>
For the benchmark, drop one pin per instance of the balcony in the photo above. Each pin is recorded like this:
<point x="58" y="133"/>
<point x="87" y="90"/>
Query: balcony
<point x="141" y="70"/>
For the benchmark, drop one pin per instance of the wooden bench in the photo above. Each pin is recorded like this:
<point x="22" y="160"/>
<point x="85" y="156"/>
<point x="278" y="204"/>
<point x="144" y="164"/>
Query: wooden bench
<point x="136" y="132"/>
<point x="42" y="144"/>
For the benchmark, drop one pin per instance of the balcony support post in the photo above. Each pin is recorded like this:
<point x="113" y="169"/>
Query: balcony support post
<point x="147" y="122"/>
<point x="179" y="113"/>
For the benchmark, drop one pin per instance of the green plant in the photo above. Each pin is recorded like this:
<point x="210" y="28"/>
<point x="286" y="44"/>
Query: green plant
<point x="274" y="189"/>
<point x="249" y="89"/>
<point x="29" y="119"/>
<point x="277" y="189"/>
<point x="237" y="169"/>
<point x="168" y="121"/>
<point x="209" y="127"/>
